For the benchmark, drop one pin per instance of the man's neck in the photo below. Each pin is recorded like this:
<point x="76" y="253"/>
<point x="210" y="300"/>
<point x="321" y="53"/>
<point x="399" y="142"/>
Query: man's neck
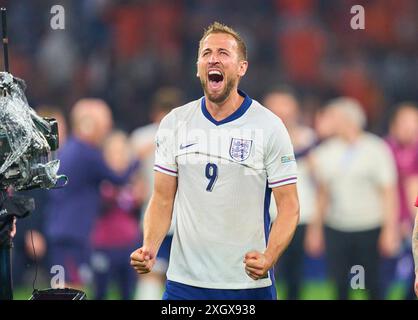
<point x="223" y="110"/>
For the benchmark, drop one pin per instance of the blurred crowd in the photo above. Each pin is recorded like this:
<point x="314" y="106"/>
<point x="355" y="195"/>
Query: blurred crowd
<point x="348" y="98"/>
<point x="123" y="50"/>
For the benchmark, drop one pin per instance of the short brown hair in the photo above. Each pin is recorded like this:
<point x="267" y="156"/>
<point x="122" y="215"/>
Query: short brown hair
<point x="218" y="27"/>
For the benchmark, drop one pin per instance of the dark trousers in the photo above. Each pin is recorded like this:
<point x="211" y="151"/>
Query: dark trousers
<point x="347" y="249"/>
<point x="289" y="268"/>
<point x="117" y="269"/>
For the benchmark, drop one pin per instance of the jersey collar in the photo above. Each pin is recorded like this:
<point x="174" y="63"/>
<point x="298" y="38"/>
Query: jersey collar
<point x="237" y="113"/>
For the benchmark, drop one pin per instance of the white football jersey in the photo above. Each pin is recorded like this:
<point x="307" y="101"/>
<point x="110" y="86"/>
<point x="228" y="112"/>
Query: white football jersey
<point x="225" y="171"/>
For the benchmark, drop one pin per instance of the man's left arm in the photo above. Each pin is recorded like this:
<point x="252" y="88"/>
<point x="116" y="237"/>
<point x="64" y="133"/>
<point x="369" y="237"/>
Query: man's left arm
<point x="257" y="264"/>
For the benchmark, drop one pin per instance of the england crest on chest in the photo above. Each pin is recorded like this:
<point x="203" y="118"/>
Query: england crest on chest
<point x="240" y="149"/>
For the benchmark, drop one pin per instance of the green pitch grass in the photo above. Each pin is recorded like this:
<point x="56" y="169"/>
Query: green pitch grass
<point x="324" y="290"/>
<point x="312" y="290"/>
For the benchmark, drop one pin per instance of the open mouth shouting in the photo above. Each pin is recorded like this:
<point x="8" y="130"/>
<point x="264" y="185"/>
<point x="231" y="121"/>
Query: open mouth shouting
<point x="215" y="80"/>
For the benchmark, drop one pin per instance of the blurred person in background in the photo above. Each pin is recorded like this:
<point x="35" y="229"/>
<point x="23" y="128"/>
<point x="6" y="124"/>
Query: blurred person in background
<point x="150" y="286"/>
<point x="283" y="103"/>
<point x="403" y="142"/>
<point x="30" y="243"/>
<point x="356" y="177"/>
<point x="324" y="125"/>
<point x="72" y="210"/>
<point x="116" y="231"/>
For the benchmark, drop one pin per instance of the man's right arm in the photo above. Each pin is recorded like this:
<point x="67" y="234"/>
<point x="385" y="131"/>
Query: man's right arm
<point x="157" y="222"/>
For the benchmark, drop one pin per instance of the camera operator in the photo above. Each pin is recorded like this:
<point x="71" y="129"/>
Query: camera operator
<point x="72" y="210"/>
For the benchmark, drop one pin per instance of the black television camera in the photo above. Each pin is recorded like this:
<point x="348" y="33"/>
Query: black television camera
<point x="27" y="160"/>
<point x="27" y="141"/>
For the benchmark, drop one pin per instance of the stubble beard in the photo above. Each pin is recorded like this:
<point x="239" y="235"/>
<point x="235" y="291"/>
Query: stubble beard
<point x="223" y="95"/>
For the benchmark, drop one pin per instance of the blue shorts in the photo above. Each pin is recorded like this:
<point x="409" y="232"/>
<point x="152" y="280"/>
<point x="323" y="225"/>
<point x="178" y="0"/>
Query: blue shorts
<point x="179" y="291"/>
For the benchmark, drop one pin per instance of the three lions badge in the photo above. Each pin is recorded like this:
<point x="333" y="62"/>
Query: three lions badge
<point x="240" y="149"/>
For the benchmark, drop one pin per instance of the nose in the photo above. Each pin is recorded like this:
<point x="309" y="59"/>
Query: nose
<point x="213" y="58"/>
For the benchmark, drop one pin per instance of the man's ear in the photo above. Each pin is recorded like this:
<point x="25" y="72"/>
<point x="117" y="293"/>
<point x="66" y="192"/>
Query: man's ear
<point x="243" y="66"/>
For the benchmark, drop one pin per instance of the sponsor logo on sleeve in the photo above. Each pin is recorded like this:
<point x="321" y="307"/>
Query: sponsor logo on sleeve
<point x="287" y="158"/>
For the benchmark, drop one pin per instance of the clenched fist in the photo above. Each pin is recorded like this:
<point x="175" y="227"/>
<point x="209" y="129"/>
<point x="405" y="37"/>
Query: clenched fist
<point x="257" y="265"/>
<point x="142" y="260"/>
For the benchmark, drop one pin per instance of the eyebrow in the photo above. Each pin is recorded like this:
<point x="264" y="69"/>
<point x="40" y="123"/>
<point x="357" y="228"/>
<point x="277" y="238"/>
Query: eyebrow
<point x="218" y="49"/>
